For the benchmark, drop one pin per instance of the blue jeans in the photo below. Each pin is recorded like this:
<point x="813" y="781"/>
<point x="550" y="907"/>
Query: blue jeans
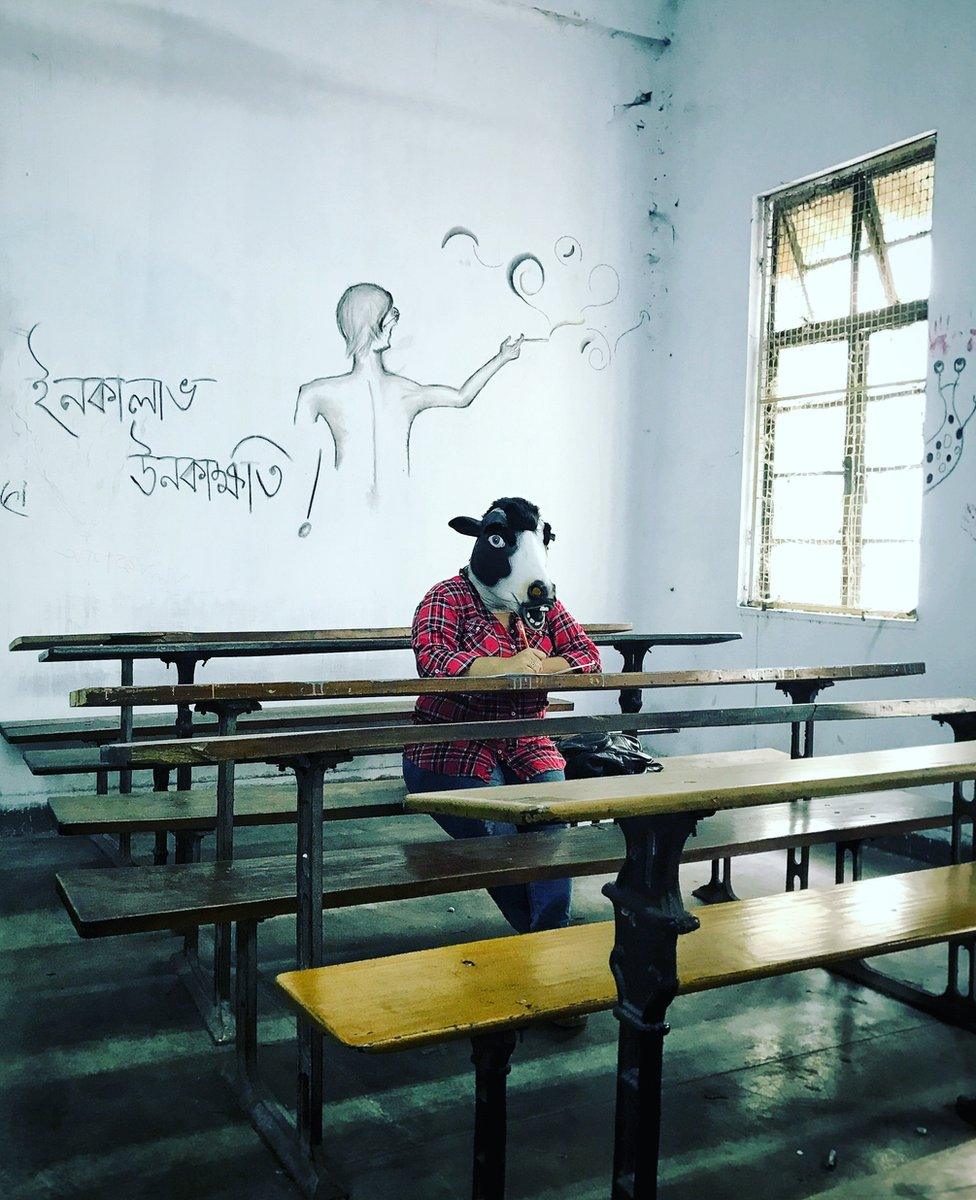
<point x="526" y="906"/>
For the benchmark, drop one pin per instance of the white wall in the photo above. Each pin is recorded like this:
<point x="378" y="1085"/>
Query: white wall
<point x="185" y="191"/>
<point x="766" y="92"/>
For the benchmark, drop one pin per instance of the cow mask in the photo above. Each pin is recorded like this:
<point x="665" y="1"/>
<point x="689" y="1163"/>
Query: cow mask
<point x="508" y="566"/>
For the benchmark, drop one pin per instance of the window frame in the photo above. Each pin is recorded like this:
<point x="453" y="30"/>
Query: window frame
<point x="764" y="345"/>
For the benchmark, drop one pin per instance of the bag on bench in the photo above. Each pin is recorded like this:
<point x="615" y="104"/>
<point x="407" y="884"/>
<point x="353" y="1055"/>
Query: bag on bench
<point x="589" y="755"/>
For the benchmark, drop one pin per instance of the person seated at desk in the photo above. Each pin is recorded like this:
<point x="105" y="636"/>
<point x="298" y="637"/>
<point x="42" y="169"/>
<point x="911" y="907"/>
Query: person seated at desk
<point x="498" y="616"/>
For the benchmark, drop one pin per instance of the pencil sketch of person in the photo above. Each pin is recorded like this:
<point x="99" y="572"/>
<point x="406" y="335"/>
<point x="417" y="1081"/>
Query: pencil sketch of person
<point x="370" y="411"/>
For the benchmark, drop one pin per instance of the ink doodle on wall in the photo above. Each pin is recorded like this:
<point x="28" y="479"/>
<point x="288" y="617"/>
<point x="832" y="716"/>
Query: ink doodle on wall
<point x="596" y="288"/>
<point x="69" y="399"/>
<point x="13" y="498"/>
<point x="951" y="351"/>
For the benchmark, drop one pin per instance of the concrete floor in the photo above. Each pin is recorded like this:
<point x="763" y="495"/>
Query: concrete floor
<point x="109" y="1086"/>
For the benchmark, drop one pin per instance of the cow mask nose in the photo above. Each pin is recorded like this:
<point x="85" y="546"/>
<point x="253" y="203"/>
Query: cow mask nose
<point x="538" y="591"/>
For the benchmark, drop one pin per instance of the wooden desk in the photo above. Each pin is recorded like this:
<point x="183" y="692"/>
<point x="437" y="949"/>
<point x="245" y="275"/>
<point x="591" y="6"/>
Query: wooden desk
<point x="50" y="641"/>
<point x="263" y="693"/>
<point x="186" y="650"/>
<point x="657" y="814"/>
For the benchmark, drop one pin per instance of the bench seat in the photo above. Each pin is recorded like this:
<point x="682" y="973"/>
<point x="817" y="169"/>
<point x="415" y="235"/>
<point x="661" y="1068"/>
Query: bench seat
<point x="106" y="900"/>
<point x="483" y="987"/>
<point x="99" y="731"/>
<point x="84" y="759"/>
<point x="196" y="809"/>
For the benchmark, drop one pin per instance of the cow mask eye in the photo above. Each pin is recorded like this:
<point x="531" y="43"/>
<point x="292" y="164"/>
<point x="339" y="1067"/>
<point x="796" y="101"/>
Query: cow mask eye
<point x="496" y="541"/>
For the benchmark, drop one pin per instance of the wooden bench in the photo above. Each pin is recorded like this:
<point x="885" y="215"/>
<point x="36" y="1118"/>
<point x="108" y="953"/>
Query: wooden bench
<point x="169" y="810"/>
<point x="107" y="901"/>
<point x="801" y="684"/>
<point x="195" y="811"/>
<point x="72" y="747"/>
<point x="688" y="789"/>
<point x="187" y="650"/>
<point x="486" y="990"/>
<point x="99" y="731"/>
<point x="657" y="814"/>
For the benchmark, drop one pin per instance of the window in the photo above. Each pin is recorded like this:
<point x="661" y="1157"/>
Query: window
<point x="834" y="506"/>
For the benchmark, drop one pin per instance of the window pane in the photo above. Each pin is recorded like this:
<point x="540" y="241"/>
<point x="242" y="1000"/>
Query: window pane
<point x="805" y="574"/>
<point x="889" y="577"/>
<point x="791" y="305"/>
<point x="829" y="289"/>
<point x="893" y="431"/>
<point x="897" y="355"/>
<point x="822" y="227"/>
<point x="892" y="505"/>
<point x="870" y="290"/>
<point x="808" y="506"/>
<point x="911" y="267"/>
<point x="809" y="439"/>
<point x="806" y="370"/>
<point x="904" y="200"/>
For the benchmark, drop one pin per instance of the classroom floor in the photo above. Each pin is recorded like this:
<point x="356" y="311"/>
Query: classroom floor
<point x="109" y="1086"/>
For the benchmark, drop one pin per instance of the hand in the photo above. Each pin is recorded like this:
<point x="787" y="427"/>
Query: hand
<point x="510" y="349"/>
<point x="527" y="662"/>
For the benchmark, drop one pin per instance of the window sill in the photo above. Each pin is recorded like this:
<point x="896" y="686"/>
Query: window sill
<point x="832" y="618"/>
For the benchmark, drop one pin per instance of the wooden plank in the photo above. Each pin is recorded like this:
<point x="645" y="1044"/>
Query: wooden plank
<point x="257" y="804"/>
<point x="97" y="731"/>
<point x="695" y="790"/>
<point x="138" y="899"/>
<point x="255" y="648"/>
<point x="93" y="697"/>
<point x="454" y="991"/>
<point x="274" y="747"/>
<point x="731" y="832"/>
<point x="48" y="641"/>
<point x="103" y="901"/>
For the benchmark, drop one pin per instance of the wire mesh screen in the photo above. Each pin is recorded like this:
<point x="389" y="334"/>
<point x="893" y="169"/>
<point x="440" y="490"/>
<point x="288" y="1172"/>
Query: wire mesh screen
<point x="841" y="388"/>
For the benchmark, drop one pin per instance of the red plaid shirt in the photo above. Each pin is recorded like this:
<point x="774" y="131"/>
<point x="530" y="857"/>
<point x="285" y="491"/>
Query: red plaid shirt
<point x="451" y="628"/>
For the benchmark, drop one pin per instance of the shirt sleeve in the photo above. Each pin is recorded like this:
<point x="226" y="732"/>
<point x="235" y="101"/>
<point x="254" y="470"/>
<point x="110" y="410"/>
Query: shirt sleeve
<point x="571" y="642"/>
<point x="435" y="636"/>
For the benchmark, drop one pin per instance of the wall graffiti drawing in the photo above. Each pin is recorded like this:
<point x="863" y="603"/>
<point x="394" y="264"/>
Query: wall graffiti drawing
<point x="596" y="288"/>
<point x="255" y="460"/>
<point x="369" y="410"/>
<point x="951" y="353"/>
<point x="72" y="397"/>
<point x="13" y="498"/>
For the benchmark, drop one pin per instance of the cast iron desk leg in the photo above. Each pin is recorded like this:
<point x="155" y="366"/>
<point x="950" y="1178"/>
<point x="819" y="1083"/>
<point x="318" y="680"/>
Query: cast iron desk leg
<point x="719" y="889"/>
<point x="633" y="654"/>
<point x="125" y="775"/>
<point x="650" y="917"/>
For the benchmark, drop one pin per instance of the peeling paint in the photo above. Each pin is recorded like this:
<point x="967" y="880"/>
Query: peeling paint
<point x="638" y="100"/>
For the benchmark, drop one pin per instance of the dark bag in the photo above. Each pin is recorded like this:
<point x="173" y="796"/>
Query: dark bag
<point x="589" y="755"/>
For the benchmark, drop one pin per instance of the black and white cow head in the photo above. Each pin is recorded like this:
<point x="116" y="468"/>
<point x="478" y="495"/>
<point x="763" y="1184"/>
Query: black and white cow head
<point x="508" y="566"/>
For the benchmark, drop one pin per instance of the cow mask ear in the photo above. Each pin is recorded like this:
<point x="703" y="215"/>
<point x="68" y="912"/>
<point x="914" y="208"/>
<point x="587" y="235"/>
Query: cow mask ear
<point x="469" y="526"/>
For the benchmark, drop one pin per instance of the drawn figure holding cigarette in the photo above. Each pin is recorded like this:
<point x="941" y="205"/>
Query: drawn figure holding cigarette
<point x="370" y="411"/>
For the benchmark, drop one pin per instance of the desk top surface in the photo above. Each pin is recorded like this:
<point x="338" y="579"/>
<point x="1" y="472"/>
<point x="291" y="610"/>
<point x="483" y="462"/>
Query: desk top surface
<point x="49" y="641"/>
<point x="349" y="742"/>
<point x="324" y="642"/>
<point x="690" y="788"/>
<point x="200" y="693"/>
